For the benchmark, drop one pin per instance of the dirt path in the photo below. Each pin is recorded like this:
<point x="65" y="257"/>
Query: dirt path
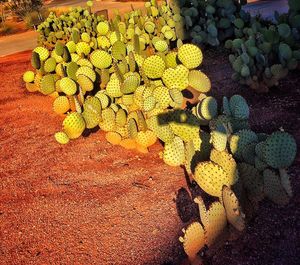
<point x="91" y="203"/>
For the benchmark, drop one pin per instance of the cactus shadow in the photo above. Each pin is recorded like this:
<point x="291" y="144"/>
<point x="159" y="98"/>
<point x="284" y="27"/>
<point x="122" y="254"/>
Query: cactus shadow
<point x="88" y="132"/>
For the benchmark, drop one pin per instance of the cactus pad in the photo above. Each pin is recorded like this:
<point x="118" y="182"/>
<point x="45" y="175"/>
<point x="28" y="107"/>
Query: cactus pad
<point x="101" y="59"/>
<point x="280" y="150"/>
<point x="274" y="189"/>
<point x="190" y="55"/>
<point x="193" y="240"/>
<point x="199" y="81"/>
<point x="176" y="78"/>
<point x="211" y="178"/>
<point x="68" y="86"/>
<point x="73" y="125"/>
<point x="216" y="218"/>
<point x="226" y="161"/>
<point x="28" y="76"/>
<point x="154" y="66"/>
<point x="174" y="153"/>
<point x="234" y="213"/>
<point x="61" y="105"/>
<point x="61" y="137"/>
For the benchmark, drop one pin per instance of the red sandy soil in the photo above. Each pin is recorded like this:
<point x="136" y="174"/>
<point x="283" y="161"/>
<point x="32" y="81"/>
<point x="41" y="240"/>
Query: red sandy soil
<point x="92" y="203"/>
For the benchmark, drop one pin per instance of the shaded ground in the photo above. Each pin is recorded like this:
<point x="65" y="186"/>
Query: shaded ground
<point x="91" y="203"/>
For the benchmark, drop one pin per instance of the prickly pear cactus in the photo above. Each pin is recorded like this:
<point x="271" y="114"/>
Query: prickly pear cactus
<point x="128" y="77"/>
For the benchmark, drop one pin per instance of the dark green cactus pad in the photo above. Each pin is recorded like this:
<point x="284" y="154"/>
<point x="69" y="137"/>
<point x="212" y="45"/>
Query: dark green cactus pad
<point x="239" y="107"/>
<point x="274" y="189"/>
<point x="280" y="150"/>
<point x="252" y="181"/>
<point x="35" y="60"/>
<point x="248" y="153"/>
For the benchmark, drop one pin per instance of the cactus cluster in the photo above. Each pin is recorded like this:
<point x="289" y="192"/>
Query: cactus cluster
<point x="80" y="25"/>
<point x="262" y="52"/>
<point x="211" y="22"/>
<point x="127" y="77"/>
<point x="241" y="169"/>
<point x="129" y="88"/>
<point x="262" y="55"/>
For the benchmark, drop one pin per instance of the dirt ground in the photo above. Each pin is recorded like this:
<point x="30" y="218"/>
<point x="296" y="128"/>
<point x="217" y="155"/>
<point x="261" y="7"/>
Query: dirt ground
<point x="91" y="203"/>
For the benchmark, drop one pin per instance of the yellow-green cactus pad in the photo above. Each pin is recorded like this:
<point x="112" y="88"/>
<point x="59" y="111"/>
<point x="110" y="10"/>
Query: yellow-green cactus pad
<point x="176" y="78"/>
<point x="161" y="128"/>
<point x="85" y="83"/>
<point x="132" y="128"/>
<point x="103" y="42"/>
<point x="226" y="161"/>
<point x="61" y="137"/>
<point x="28" y="76"/>
<point x="177" y="98"/>
<point x="162" y="96"/>
<point x="47" y="85"/>
<point x="113" y="137"/>
<point x="193" y="240"/>
<point x="207" y="108"/>
<point x="211" y="178"/>
<point x="42" y="52"/>
<point x="171" y="59"/>
<point x="61" y="105"/>
<point x="149" y="103"/>
<point x="154" y="66"/>
<point x="73" y="125"/>
<point x="101" y="59"/>
<point x="91" y="118"/>
<point x="93" y="104"/>
<point x="121" y="117"/>
<point x="104" y="99"/>
<point x="216" y="217"/>
<point x="108" y="122"/>
<point x="234" y="213"/>
<point x="113" y="88"/>
<point x="118" y="50"/>
<point x="130" y="84"/>
<point x="184" y="124"/>
<point x="84" y="62"/>
<point x="161" y="46"/>
<point x="199" y="81"/>
<point x="146" y="138"/>
<point x="50" y="65"/>
<point x="71" y="70"/>
<point x="219" y="137"/>
<point x="174" y="152"/>
<point x="190" y="55"/>
<point x="68" y="86"/>
<point x="83" y="48"/>
<point x="103" y="28"/>
<point x="87" y="71"/>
